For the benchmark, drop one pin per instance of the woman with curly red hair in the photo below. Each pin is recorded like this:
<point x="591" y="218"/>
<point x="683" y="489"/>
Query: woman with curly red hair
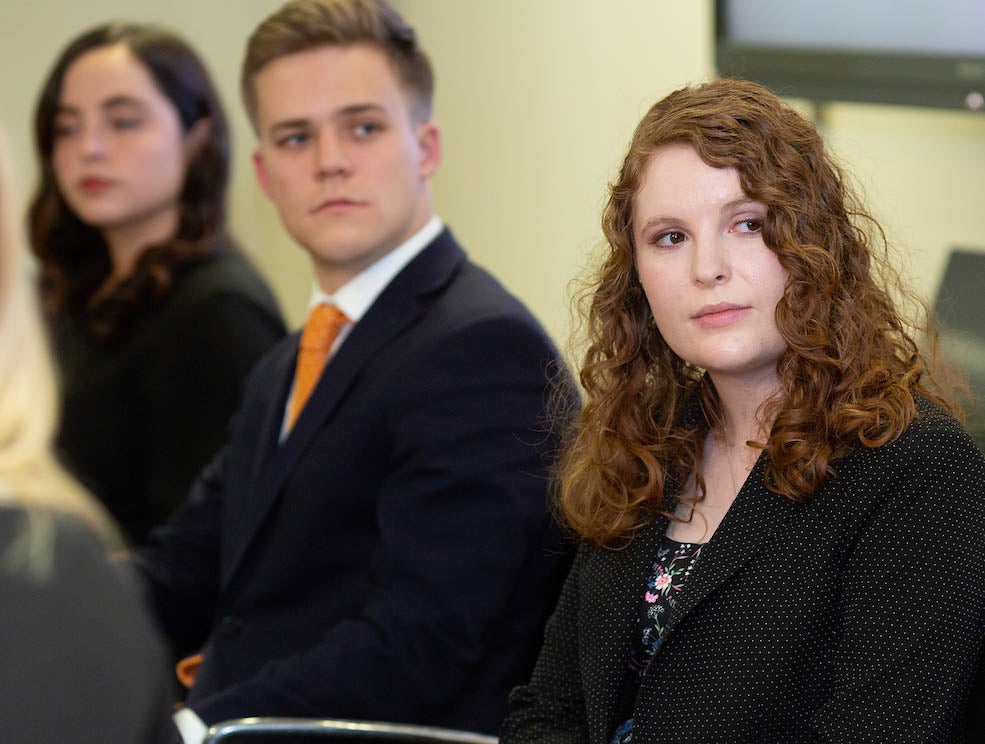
<point x="781" y="519"/>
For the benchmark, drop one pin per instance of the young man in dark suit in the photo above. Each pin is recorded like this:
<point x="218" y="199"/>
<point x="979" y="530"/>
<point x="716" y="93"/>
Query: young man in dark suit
<point x="381" y="549"/>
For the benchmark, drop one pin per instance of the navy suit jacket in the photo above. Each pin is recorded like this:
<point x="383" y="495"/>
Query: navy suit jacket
<point x="393" y="558"/>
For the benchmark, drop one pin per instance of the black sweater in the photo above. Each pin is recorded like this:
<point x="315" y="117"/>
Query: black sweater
<point x="141" y="417"/>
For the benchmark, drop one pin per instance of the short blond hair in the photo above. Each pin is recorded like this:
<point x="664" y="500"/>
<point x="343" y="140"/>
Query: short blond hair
<point x="302" y="25"/>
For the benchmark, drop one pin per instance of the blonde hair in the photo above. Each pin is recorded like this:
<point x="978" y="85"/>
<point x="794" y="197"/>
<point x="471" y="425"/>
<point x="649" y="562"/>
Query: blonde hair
<point x="30" y="475"/>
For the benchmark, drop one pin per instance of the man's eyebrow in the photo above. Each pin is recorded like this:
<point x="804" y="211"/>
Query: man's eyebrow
<point x="288" y="124"/>
<point x="347" y="111"/>
<point x="358" y="108"/>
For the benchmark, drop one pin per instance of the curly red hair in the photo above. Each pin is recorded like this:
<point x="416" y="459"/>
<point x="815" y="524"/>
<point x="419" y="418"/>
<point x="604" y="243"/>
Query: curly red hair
<point x="852" y="366"/>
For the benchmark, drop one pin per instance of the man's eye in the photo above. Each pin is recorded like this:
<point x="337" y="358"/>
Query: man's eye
<point x="293" y="140"/>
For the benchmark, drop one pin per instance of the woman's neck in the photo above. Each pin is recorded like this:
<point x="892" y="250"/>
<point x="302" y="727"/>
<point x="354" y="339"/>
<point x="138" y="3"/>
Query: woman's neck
<point x="742" y="403"/>
<point x="127" y="242"/>
<point x="726" y="460"/>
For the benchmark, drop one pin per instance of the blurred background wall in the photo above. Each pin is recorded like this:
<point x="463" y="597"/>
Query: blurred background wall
<point x="537" y="100"/>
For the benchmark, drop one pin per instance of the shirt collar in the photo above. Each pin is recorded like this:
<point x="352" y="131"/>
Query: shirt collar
<point x="357" y="295"/>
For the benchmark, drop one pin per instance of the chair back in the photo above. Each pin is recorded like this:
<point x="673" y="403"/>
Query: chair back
<point x="338" y="731"/>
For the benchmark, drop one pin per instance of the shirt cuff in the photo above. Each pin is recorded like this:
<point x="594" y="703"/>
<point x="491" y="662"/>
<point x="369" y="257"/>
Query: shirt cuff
<point x="190" y="726"/>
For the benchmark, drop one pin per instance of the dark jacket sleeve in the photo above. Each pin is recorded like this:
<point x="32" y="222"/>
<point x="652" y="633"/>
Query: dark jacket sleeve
<point x="180" y="565"/>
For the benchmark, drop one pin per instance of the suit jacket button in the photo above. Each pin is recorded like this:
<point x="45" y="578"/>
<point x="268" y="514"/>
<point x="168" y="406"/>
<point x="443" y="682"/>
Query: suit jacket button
<point x="230" y="626"/>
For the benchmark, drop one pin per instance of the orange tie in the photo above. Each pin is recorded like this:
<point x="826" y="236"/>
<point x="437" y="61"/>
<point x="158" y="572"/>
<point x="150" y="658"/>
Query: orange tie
<point x="323" y="327"/>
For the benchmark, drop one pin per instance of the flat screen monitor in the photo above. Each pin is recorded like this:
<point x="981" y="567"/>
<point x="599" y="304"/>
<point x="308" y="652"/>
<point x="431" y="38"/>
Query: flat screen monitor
<point x="960" y="308"/>
<point x="910" y="52"/>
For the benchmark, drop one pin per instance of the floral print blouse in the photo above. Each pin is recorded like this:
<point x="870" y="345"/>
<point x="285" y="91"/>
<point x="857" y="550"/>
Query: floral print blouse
<point x="674" y="562"/>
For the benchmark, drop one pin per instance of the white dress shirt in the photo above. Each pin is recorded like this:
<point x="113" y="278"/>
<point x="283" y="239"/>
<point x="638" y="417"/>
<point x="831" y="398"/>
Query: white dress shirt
<point x="356" y="296"/>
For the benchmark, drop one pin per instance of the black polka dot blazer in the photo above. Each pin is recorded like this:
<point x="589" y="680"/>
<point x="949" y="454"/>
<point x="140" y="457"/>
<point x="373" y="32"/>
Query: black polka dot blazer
<point x="856" y="618"/>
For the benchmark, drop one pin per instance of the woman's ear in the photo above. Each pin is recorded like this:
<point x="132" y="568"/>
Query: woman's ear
<point x="196" y="137"/>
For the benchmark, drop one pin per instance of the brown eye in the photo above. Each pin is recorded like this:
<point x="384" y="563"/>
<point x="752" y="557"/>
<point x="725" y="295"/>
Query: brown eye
<point x="672" y="237"/>
<point x="64" y="127"/>
<point x="127" y="122"/>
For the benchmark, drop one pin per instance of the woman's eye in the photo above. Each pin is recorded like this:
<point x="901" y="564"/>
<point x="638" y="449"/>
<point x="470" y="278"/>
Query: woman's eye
<point x="64" y="127"/>
<point x="672" y="237"/>
<point x="127" y="123"/>
<point x="750" y="226"/>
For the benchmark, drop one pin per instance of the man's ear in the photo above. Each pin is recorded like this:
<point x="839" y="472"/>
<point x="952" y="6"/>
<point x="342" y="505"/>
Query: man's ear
<point x="196" y="137"/>
<point x="260" y="169"/>
<point x="429" y="143"/>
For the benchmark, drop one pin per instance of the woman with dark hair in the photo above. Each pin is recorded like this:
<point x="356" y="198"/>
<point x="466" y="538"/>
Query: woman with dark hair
<point x="782" y="524"/>
<point x="156" y="316"/>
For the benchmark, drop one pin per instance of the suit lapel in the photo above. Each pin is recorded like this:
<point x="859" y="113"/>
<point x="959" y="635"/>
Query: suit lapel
<point x="752" y="520"/>
<point x="754" y="517"/>
<point x="272" y="416"/>
<point x="397" y="307"/>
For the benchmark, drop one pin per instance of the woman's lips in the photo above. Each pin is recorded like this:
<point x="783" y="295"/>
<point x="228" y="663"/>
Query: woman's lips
<point x="94" y="184"/>
<point x="721" y="314"/>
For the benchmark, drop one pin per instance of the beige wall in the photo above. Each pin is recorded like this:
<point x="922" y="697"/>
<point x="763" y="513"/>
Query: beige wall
<point x="537" y="100"/>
